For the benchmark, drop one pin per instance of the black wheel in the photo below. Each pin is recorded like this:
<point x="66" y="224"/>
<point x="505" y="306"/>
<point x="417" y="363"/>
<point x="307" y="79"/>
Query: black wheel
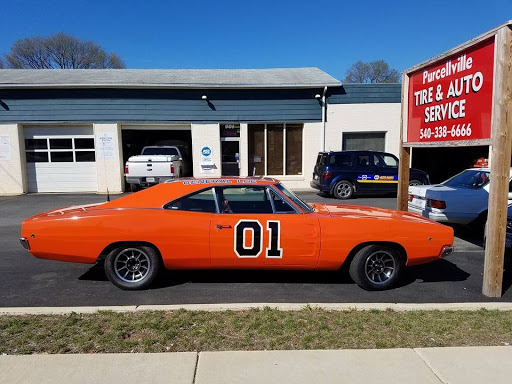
<point x="414" y="182"/>
<point x="132" y="267"/>
<point x="376" y="267"/>
<point x="134" y="187"/>
<point x="343" y="190"/>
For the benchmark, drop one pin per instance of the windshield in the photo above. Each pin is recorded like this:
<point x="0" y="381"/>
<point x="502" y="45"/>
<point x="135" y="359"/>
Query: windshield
<point x="469" y="179"/>
<point x="160" y="151"/>
<point x="306" y="207"/>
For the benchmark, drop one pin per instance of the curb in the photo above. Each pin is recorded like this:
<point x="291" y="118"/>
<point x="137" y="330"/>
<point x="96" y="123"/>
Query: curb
<point x="399" y="307"/>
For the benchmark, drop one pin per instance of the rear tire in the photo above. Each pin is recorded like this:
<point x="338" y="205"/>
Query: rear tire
<point x="132" y="267"/>
<point x="134" y="187"/>
<point x="343" y="190"/>
<point x="376" y="267"/>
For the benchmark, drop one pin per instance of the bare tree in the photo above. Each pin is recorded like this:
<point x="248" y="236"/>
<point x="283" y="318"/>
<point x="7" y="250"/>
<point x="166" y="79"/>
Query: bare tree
<point x="373" y="72"/>
<point x="60" y="51"/>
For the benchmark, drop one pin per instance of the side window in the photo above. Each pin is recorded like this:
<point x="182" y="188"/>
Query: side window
<point x="243" y="200"/>
<point x="343" y="160"/>
<point x="203" y="201"/>
<point x="280" y="205"/>
<point x="387" y="161"/>
<point x="364" y="160"/>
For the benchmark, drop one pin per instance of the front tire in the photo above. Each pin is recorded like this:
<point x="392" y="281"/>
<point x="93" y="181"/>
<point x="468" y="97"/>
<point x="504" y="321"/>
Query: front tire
<point x="132" y="267"/>
<point x="343" y="190"/>
<point x="376" y="267"/>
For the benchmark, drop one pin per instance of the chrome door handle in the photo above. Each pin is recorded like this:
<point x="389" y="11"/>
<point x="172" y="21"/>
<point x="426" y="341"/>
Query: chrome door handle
<point x="219" y="227"/>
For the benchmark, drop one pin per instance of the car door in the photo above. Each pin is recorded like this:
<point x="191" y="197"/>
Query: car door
<point x="387" y="172"/>
<point x="365" y="170"/>
<point x="249" y="232"/>
<point x="185" y="230"/>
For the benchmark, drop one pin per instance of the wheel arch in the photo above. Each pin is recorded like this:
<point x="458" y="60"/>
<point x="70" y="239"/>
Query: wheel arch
<point x="397" y="246"/>
<point x="109" y="248"/>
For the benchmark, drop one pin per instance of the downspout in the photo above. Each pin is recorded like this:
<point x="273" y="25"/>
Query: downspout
<point x="324" y="116"/>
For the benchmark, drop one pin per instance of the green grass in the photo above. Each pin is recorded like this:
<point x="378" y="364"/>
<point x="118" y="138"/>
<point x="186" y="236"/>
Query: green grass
<point x="266" y="329"/>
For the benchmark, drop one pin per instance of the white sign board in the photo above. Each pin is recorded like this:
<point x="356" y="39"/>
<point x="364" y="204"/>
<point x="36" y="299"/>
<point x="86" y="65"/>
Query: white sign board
<point x="206" y="156"/>
<point x="105" y="146"/>
<point x="5" y="147"/>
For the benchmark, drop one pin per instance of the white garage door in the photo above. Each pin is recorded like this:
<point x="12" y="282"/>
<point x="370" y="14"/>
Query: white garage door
<point x="60" y="159"/>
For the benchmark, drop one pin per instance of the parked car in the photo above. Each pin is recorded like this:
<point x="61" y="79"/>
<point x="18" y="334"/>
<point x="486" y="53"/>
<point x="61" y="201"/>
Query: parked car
<point x="462" y="199"/>
<point x="348" y="173"/>
<point x="242" y="223"/>
<point x="156" y="164"/>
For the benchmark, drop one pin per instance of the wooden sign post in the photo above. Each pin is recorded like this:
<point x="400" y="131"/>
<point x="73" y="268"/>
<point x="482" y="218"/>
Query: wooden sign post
<point x="463" y="98"/>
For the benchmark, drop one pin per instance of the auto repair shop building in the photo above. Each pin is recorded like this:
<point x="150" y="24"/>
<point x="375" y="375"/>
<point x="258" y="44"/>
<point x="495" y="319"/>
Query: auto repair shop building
<point x="73" y="130"/>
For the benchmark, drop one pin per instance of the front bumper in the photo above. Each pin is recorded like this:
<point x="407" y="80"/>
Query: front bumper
<point x="446" y="251"/>
<point x="24" y="242"/>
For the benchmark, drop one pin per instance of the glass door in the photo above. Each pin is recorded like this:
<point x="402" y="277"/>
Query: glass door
<point x="230" y="149"/>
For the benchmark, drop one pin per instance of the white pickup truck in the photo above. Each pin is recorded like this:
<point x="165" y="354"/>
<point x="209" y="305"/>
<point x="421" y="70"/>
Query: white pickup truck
<point x="154" y="165"/>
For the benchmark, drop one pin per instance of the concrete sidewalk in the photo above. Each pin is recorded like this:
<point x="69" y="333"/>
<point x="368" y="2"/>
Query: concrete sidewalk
<point x="421" y="365"/>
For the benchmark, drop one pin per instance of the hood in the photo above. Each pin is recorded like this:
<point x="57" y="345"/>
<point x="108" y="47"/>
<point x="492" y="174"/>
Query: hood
<point x="364" y="212"/>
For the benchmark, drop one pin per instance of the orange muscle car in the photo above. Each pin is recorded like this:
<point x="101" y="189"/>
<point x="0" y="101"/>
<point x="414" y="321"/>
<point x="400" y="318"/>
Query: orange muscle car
<point x="234" y="223"/>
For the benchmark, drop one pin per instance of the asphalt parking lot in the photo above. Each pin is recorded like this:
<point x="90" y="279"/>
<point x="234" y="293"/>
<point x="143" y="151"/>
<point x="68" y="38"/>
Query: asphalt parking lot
<point x="27" y="281"/>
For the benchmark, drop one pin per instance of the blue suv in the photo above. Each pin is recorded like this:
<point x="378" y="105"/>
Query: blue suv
<point x="346" y="173"/>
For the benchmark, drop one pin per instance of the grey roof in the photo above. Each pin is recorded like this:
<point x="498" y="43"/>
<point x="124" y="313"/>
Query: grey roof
<point x="166" y="78"/>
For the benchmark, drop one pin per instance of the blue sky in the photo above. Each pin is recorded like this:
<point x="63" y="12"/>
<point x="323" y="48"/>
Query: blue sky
<point x="327" y="34"/>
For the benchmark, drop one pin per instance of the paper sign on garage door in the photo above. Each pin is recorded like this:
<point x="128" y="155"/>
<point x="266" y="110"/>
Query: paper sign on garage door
<point x="5" y="147"/>
<point x="105" y="146"/>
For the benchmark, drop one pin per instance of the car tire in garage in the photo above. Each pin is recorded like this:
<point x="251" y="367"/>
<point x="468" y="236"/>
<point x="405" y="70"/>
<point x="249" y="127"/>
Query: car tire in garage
<point x="376" y="267"/>
<point x="343" y="190"/>
<point x="132" y="267"/>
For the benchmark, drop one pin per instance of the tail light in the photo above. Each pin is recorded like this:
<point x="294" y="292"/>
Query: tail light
<point x="126" y="169"/>
<point x="411" y="197"/>
<point x="326" y="175"/>
<point x="438" y="204"/>
<point x="172" y="169"/>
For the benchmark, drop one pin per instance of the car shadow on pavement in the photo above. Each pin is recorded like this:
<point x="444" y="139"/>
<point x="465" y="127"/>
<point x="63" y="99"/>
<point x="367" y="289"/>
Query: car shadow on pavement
<point x="437" y="271"/>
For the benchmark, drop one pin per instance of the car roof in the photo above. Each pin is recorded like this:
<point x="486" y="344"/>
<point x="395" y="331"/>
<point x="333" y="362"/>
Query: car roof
<point x="355" y="151"/>
<point x="160" y="194"/>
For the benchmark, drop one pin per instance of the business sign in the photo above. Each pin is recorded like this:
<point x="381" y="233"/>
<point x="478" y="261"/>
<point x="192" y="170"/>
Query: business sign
<point x="451" y="100"/>
<point x="206" y="156"/>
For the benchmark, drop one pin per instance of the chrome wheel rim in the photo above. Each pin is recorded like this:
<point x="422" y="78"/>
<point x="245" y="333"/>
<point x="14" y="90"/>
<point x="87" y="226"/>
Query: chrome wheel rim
<point x="132" y="265"/>
<point x="414" y="183"/>
<point x="344" y="190"/>
<point x="380" y="267"/>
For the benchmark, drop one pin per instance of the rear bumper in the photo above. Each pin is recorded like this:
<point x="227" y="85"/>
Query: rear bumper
<point x="144" y="180"/>
<point x="316" y="185"/>
<point x="441" y="217"/>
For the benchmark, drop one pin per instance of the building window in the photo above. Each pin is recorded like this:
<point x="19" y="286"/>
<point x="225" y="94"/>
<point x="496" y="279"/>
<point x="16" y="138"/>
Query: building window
<point x="364" y="141"/>
<point x="275" y="149"/>
<point x="60" y="150"/>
